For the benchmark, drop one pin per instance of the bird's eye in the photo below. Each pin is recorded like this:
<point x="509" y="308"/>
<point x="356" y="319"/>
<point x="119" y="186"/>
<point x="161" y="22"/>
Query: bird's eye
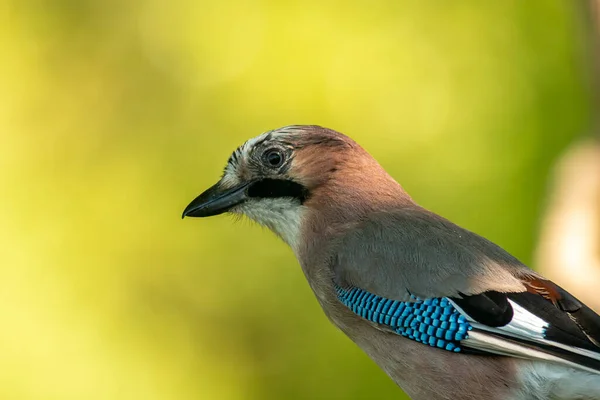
<point x="274" y="158"/>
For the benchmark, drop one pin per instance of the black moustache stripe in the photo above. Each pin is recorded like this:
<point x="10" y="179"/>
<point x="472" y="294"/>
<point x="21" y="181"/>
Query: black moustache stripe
<point x="275" y="188"/>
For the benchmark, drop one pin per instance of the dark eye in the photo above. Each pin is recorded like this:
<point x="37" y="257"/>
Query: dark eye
<point x="274" y="158"/>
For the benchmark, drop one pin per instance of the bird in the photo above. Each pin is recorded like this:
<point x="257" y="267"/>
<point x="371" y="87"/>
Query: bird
<point x="444" y="312"/>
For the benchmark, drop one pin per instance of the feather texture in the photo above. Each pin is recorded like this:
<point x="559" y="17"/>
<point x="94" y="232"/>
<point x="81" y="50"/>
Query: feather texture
<point x="434" y="321"/>
<point x="441" y="323"/>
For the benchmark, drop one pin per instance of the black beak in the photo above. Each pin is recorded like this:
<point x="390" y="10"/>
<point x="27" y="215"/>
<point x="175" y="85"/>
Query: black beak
<point x="216" y="200"/>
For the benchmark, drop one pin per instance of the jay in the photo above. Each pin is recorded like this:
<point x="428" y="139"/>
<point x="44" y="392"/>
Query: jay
<point x="444" y="312"/>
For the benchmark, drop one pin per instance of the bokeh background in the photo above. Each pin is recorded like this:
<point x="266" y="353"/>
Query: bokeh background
<point x="115" y="114"/>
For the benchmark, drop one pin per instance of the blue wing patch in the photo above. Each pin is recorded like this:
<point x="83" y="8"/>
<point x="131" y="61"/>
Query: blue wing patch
<point x="433" y="321"/>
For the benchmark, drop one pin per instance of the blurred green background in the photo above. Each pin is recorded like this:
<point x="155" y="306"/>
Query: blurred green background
<point x="115" y="114"/>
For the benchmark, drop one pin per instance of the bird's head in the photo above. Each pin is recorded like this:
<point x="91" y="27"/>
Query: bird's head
<point x="279" y="176"/>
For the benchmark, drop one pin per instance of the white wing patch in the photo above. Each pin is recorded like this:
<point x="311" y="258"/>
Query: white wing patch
<point x="524" y="324"/>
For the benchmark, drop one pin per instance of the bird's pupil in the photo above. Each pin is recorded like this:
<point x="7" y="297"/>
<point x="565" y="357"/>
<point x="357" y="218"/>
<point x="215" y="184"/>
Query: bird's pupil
<point x="274" y="158"/>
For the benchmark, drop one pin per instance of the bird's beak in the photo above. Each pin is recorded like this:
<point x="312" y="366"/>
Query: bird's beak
<point x="216" y="200"/>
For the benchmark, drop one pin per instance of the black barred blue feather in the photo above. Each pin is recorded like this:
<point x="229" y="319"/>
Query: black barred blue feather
<point x="468" y="324"/>
<point x="433" y="321"/>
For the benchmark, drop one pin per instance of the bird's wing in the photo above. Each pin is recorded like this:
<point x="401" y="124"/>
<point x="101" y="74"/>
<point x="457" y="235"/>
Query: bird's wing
<point x="415" y="252"/>
<point x="434" y="282"/>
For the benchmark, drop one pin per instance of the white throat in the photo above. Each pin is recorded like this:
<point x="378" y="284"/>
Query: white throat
<point x="282" y="216"/>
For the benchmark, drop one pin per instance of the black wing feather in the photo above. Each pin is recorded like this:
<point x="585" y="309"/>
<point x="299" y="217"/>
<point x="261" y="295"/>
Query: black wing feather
<point x="569" y="321"/>
<point x="490" y="308"/>
<point x="555" y="351"/>
<point x="587" y="320"/>
<point x="562" y="328"/>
